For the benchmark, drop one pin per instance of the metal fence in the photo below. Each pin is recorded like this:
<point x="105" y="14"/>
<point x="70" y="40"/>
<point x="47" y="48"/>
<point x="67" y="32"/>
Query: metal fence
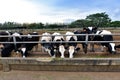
<point x="85" y="41"/>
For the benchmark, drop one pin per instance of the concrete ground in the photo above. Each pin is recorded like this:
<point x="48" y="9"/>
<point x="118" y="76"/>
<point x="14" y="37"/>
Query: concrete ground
<point x="56" y="75"/>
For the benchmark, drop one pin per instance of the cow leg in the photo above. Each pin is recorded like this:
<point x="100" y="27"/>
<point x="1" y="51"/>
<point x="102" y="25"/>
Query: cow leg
<point x="92" y="47"/>
<point x="62" y="50"/>
<point x="84" y="48"/>
<point x="102" y="48"/>
<point x="71" y="51"/>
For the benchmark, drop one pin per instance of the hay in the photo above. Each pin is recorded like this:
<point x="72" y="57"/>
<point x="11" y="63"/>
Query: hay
<point x="15" y="54"/>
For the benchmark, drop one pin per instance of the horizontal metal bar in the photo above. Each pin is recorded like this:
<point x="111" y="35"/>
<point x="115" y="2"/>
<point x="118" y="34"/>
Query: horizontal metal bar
<point x="58" y="35"/>
<point x="115" y="41"/>
<point x="64" y="42"/>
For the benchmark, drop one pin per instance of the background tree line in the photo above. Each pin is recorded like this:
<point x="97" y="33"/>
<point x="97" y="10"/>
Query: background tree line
<point x="97" y="20"/>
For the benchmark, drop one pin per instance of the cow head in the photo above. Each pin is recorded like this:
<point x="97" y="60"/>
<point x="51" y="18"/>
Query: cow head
<point x="46" y="45"/>
<point x="111" y="48"/>
<point x="21" y="51"/>
<point x="90" y="30"/>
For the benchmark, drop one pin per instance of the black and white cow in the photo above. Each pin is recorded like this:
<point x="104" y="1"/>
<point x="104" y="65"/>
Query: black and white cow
<point x="46" y="45"/>
<point x="82" y="38"/>
<point x="4" y="39"/>
<point x="25" y="47"/>
<point x="57" y="37"/>
<point x="91" y="30"/>
<point x="8" y="47"/>
<point x="105" y="35"/>
<point x="72" y="47"/>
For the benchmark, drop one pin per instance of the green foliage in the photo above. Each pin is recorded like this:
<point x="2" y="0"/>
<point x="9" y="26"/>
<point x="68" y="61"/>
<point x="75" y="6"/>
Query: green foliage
<point x="115" y="24"/>
<point x="99" y="19"/>
<point x="35" y="26"/>
<point x="80" y="23"/>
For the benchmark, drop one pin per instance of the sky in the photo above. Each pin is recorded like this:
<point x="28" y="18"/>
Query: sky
<point x="55" y="11"/>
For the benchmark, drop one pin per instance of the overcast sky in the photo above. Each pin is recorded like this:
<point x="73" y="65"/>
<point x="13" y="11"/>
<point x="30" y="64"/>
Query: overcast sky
<point x="55" y="11"/>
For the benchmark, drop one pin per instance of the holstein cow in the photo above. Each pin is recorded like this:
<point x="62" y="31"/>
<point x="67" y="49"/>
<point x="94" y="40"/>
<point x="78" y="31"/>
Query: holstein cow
<point x="105" y="36"/>
<point x="25" y="47"/>
<point x="90" y="30"/>
<point x="70" y="36"/>
<point x="101" y="37"/>
<point x="82" y="38"/>
<point x="46" y="45"/>
<point x="8" y="47"/>
<point x="4" y="39"/>
<point x="58" y="46"/>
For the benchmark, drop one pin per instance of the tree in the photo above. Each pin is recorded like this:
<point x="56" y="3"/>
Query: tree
<point x="99" y="19"/>
<point x="80" y="23"/>
<point x="115" y="24"/>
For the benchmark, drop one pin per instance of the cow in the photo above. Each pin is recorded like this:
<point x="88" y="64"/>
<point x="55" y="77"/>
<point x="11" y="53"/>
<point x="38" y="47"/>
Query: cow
<point x="90" y="30"/>
<point x="58" y="46"/>
<point x="6" y="37"/>
<point x="70" y="36"/>
<point x="81" y="37"/>
<point x="9" y="47"/>
<point x="105" y="35"/>
<point x="46" y="45"/>
<point x="25" y="47"/>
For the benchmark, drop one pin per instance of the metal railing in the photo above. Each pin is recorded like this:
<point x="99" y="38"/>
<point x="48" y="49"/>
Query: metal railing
<point x="85" y="41"/>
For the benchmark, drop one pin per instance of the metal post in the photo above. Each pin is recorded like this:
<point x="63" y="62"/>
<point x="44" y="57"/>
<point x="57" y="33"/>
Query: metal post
<point x="86" y="39"/>
<point x="14" y="40"/>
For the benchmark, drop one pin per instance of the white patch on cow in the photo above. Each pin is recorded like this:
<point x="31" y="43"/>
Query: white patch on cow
<point x="34" y="32"/>
<point x="29" y="36"/>
<point x="57" y="36"/>
<point x="16" y="34"/>
<point x="8" y="32"/>
<point x="70" y="34"/>
<point x="113" y="46"/>
<point x="62" y="50"/>
<point x="23" y="50"/>
<point x="106" y="32"/>
<point x="71" y="51"/>
<point x="103" y="32"/>
<point x="17" y="52"/>
<point x="23" y="56"/>
<point x="46" y="37"/>
<point x="90" y="28"/>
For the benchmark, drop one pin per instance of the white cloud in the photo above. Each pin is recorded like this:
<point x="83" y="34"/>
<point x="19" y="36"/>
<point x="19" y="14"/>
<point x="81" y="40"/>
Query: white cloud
<point x="28" y="11"/>
<point x="16" y="10"/>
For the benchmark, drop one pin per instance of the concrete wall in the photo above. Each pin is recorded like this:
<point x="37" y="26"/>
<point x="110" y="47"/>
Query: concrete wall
<point x="49" y="64"/>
